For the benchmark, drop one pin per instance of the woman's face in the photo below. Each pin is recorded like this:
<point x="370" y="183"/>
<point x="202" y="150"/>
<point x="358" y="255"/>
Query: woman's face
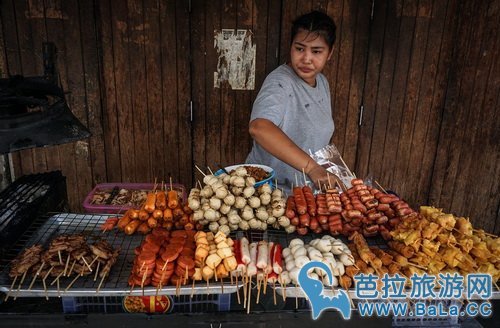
<point x="308" y="55"/>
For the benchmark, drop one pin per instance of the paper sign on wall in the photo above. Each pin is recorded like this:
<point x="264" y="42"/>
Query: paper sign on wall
<point x="235" y="59"/>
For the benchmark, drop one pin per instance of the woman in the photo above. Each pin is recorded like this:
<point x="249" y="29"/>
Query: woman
<point x="292" y="113"/>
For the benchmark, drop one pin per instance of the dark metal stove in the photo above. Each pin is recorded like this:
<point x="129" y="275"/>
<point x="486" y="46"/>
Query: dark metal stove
<point x="26" y="199"/>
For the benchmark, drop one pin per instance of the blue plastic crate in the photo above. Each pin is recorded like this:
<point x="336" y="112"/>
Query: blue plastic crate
<point x="181" y="304"/>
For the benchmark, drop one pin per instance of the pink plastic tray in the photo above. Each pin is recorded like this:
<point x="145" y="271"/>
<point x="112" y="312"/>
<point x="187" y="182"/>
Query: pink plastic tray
<point x="113" y="209"/>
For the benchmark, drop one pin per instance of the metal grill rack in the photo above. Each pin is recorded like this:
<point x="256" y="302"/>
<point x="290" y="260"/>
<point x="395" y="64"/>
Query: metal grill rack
<point x="45" y="229"/>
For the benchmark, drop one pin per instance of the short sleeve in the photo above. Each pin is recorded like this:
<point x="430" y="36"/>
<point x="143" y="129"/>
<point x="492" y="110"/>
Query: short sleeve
<point x="270" y="103"/>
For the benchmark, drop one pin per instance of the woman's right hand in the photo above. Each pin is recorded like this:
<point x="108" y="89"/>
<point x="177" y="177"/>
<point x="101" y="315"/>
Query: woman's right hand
<point x="321" y="177"/>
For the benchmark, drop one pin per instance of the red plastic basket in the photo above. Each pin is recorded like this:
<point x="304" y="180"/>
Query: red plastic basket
<point x="113" y="209"/>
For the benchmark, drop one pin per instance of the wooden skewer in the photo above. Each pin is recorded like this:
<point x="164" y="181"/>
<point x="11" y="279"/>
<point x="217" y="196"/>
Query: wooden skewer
<point x="36" y="275"/>
<point x="245" y="280"/>
<point x="274" y="292"/>
<point x="86" y="263"/>
<point x="259" y="281"/>
<point x="249" y="294"/>
<point x="208" y="287"/>
<point x="72" y="267"/>
<point x="416" y="265"/>
<point x="71" y="283"/>
<point x="97" y="270"/>
<point x="329" y="182"/>
<point x="144" y="279"/>
<point x="486" y="233"/>
<point x="192" y="289"/>
<point x="60" y="257"/>
<point x="10" y="289"/>
<point x="345" y="165"/>
<point x="58" y="288"/>
<point x="222" y="285"/>
<point x="102" y="280"/>
<point x="381" y="188"/>
<point x="210" y="170"/>
<point x="495" y="283"/>
<point x="231" y="278"/>
<point x="95" y="259"/>
<point x="56" y="279"/>
<point x="304" y="175"/>
<point x="196" y="166"/>
<point x="265" y="283"/>
<point x="66" y="266"/>
<point x="296" y="297"/>
<point x="284" y="292"/>
<point x="237" y="289"/>
<point x="296" y="180"/>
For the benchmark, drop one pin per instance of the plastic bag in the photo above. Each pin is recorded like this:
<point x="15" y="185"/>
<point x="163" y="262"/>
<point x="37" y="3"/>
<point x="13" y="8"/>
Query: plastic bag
<point x="329" y="157"/>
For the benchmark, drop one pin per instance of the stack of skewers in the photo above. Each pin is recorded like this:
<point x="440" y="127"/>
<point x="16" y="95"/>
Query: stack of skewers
<point x="66" y="255"/>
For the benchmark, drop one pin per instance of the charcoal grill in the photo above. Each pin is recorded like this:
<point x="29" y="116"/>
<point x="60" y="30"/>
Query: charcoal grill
<point x="27" y="198"/>
<point x="45" y="228"/>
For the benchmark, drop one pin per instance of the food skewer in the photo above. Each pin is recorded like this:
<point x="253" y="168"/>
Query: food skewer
<point x="143" y="279"/>
<point x="274" y="292"/>
<point x="97" y="270"/>
<point x="381" y="188"/>
<point x="86" y="263"/>
<point x="60" y="257"/>
<point x="196" y="166"/>
<point x="192" y="289"/>
<point x="245" y="280"/>
<point x="58" y="288"/>
<point x="71" y="268"/>
<point x="10" y="289"/>
<point x="72" y="282"/>
<point x="258" y="290"/>
<point x="36" y="275"/>
<point x="67" y="265"/>
<point x="249" y="294"/>
<point x="56" y="278"/>
<point x="296" y="297"/>
<point x="237" y="289"/>
<point x="20" y="283"/>
<point x="102" y="280"/>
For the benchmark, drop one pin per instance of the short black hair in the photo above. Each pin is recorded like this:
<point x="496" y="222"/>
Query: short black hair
<point x="316" y="22"/>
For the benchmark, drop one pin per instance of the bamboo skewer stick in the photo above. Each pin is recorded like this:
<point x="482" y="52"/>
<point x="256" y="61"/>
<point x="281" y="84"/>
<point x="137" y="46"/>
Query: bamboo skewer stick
<point x="210" y="170"/>
<point x="20" y="283"/>
<point x="208" y="287"/>
<point x="97" y="270"/>
<point x="249" y="295"/>
<point x="192" y="289"/>
<point x="86" y="263"/>
<point x="274" y="292"/>
<point x="67" y="265"/>
<point x="265" y="284"/>
<point x="56" y="279"/>
<point x="71" y="268"/>
<point x="72" y="282"/>
<point x="222" y="285"/>
<point x="36" y="275"/>
<point x="44" y="284"/>
<point x="296" y="297"/>
<point x="259" y="281"/>
<point x="304" y="175"/>
<point x="345" y="165"/>
<point x="10" y="289"/>
<point x="381" y="188"/>
<point x="199" y="170"/>
<point x="244" y="280"/>
<point x="58" y="288"/>
<point x="237" y="289"/>
<point x="100" y="283"/>
<point x="60" y="257"/>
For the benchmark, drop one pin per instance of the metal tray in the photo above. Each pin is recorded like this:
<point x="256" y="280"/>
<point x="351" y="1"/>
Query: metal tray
<point x="45" y="229"/>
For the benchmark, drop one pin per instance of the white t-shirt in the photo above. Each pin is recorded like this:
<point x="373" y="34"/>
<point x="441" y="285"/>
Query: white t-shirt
<point x="302" y="112"/>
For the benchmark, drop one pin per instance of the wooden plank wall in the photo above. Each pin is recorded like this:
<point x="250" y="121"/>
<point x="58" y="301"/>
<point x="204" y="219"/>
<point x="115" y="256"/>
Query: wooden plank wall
<point x="425" y="72"/>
